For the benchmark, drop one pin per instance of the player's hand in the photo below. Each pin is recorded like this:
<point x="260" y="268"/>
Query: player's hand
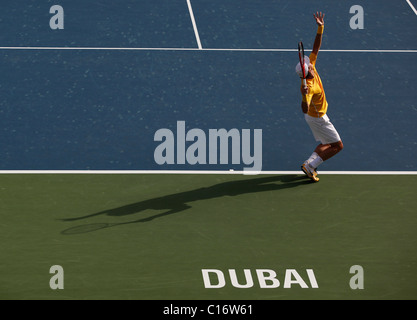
<point x="319" y="18"/>
<point x="304" y="90"/>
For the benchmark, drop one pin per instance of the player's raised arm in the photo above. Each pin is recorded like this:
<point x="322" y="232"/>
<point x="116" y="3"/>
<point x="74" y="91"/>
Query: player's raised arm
<point x="320" y="22"/>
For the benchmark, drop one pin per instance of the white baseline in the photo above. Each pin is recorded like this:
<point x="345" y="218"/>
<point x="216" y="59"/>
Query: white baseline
<point x="200" y="172"/>
<point x="209" y="49"/>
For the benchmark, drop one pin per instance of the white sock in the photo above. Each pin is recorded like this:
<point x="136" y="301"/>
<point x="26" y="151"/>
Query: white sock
<point x="316" y="162"/>
<point x="313" y="156"/>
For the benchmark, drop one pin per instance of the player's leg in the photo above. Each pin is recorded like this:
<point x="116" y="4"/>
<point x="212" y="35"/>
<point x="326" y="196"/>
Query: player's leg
<point x="325" y="152"/>
<point x="329" y="150"/>
<point x="321" y="148"/>
<point x="318" y="151"/>
<point x="323" y="131"/>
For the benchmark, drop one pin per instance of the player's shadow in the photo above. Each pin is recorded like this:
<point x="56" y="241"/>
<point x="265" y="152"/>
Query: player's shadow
<point x="177" y="202"/>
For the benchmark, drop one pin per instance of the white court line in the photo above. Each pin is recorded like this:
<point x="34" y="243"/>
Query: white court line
<point x="207" y="49"/>
<point x="412" y="7"/>
<point x="197" y="37"/>
<point x="201" y="172"/>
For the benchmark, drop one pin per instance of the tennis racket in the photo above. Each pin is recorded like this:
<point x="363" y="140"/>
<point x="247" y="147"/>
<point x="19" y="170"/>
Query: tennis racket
<point x="301" y="57"/>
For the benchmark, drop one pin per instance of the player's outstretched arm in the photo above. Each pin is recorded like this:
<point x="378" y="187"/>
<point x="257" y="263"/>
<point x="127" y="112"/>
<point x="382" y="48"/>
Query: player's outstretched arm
<point x="319" y="17"/>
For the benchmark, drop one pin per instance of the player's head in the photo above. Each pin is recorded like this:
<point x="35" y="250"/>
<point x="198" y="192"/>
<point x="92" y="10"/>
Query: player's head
<point x="311" y="71"/>
<point x="298" y="69"/>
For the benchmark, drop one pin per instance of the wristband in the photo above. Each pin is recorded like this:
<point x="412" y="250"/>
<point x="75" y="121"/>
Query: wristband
<point x="320" y="29"/>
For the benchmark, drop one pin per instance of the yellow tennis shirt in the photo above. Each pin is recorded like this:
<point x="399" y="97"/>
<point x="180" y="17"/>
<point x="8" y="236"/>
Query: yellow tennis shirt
<point x="316" y="98"/>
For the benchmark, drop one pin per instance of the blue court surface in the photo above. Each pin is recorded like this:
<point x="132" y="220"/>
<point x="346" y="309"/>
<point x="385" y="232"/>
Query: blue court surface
<point x="92" y="95"/>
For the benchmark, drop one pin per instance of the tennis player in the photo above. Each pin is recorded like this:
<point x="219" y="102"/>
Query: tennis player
<point x="314" y="106"/>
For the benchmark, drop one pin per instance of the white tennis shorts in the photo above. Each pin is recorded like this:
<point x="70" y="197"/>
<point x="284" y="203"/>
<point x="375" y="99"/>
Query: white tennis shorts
<point x="323" y="130"/>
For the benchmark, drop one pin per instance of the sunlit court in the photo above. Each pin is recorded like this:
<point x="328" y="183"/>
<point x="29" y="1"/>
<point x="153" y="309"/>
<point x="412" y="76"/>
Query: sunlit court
<point x="153" y="150"/>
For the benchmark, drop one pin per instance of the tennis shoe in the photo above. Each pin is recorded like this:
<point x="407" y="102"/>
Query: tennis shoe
<point x="306" y="163"/>
<point x="310" y="172"/>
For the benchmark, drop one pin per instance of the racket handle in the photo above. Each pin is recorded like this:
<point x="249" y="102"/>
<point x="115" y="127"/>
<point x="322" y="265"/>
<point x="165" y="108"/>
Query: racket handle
<point x="304" y="82"/>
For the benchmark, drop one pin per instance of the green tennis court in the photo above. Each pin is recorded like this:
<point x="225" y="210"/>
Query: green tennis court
<point x="150" y="236"/>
